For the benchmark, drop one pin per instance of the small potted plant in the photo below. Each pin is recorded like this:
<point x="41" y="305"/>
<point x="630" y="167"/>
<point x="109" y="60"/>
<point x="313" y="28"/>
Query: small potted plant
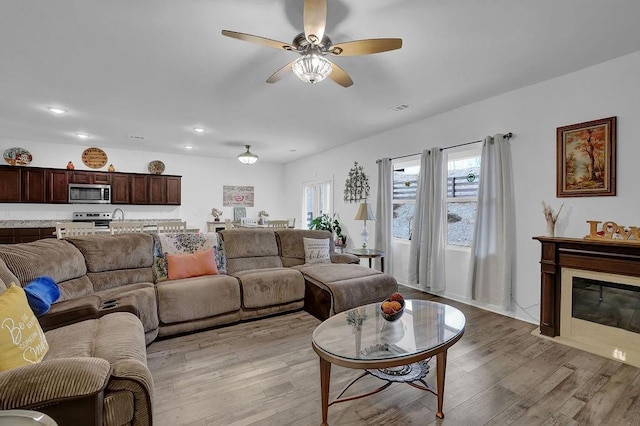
<point x="216" y="214"/>
<point x="261" y="217"/>
<point x="325" y="223"/>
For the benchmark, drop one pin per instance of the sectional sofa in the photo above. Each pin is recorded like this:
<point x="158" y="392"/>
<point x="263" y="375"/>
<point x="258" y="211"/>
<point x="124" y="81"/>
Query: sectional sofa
<point x="115" y="300"/>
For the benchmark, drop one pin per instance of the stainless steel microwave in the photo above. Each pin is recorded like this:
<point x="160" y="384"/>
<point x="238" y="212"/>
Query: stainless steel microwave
<point x="80" y="193"/>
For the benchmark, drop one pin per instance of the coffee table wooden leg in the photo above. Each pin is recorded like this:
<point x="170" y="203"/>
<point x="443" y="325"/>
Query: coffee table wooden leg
<point x="325" y="378"/>
<point x="441" y="360"/>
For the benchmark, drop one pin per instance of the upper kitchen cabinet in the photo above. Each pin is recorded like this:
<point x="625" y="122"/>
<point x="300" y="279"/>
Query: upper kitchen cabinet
<point x="45" y="185"/>
<point x="88" y="177"/>
<point x="33" y="185"/>
<point x="120" y="189"/>
<point x="174" y="190"/>
<point x="57" y="186"/>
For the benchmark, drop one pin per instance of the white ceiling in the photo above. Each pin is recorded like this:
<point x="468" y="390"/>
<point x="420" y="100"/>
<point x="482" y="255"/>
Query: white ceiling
<point x="159" y="68"/>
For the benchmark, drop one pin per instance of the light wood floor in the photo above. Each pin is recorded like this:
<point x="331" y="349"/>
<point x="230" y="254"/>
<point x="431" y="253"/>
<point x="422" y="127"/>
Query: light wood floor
<point x="264" y="372"/>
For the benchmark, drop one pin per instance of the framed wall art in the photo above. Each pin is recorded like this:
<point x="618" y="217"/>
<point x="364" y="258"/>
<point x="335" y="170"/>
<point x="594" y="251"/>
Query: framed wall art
<point x="586" y="159"/>
<point x="233" y="195"/>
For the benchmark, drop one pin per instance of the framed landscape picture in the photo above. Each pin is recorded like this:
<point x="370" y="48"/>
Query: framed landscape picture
<point x="586" y="159"/>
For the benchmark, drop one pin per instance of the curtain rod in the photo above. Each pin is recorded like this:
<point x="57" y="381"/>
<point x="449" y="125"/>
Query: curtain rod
<point x="508" y="135"/>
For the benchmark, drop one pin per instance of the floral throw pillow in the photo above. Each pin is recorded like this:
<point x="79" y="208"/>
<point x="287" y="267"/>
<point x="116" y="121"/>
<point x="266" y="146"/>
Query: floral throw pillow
<point x="184" y="243"/>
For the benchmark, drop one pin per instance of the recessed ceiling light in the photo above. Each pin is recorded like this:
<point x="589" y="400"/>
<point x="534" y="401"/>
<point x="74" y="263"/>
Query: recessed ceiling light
<point x="57" y="110"/>
<point x="400" y="107"/>
<point x="82" y="135"/>
<point x="188" y="147"/>
<point x="198" y="130"/>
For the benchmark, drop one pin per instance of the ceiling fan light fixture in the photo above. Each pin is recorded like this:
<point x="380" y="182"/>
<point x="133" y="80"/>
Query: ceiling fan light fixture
<point x="247" y="157"/>
<point x="311" y="68"/>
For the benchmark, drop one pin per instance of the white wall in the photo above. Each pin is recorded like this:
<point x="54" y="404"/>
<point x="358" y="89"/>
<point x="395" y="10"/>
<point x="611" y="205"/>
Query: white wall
<point x="202" y="181"/>
<point x="532" y="114"/>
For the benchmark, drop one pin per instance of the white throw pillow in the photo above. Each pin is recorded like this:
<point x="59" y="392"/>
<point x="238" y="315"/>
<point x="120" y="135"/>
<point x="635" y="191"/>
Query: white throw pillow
<point x="316" y="250"/>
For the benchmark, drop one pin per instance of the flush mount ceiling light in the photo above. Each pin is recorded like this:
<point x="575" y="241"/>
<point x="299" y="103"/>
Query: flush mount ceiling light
<point x="82" y="135"/>
<point x="198" y="130"/>
<point x="311" y="68"/>
<point x="188" y="146"/>
<point x="248" y="157"/>
<point x="57" y="110"/>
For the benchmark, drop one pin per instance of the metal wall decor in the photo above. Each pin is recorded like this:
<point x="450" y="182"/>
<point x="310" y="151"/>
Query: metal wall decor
<point x="356" y="187"/>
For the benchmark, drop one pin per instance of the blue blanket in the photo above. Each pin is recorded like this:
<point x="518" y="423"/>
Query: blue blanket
<point x="41" y="293"/>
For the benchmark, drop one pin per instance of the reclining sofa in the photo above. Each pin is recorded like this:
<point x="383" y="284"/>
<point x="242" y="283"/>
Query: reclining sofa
<point x="114" y="302"/>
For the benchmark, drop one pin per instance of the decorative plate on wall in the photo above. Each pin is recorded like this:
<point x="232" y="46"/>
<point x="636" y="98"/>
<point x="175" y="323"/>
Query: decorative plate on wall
<point x="156" y="167"/>
<point x="94" y="158"/>
<point x="17" y="156"/>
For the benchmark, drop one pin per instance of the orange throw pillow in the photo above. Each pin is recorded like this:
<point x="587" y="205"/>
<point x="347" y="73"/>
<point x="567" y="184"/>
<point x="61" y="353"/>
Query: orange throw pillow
<point x="191" y="265"/>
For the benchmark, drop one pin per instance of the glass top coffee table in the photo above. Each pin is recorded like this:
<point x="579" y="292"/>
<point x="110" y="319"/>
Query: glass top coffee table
<point x="397" y="351"/>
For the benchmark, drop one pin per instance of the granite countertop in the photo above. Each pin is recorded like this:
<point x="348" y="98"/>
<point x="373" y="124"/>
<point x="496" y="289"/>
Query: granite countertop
<point x="44" y="223"/>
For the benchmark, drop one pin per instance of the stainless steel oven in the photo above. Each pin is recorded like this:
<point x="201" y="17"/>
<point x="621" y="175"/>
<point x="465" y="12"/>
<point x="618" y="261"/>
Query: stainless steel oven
<point x="80" y="193"/>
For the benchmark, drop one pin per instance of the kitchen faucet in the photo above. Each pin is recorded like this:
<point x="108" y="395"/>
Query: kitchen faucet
<point x="113" y="215"/>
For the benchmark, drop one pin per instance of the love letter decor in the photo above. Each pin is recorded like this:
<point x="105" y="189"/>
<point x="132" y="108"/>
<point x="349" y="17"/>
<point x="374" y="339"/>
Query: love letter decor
<point x="613" y="232"/>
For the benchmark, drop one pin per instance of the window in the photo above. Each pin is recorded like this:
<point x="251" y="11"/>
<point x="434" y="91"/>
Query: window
<point x="316" y="199"/>
<point x="463" y="177"/>
<point x="405" y="184"/>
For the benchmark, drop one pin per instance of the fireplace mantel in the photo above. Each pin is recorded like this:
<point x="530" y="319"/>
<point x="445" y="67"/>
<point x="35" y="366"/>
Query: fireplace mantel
<point x="609" y="256"/>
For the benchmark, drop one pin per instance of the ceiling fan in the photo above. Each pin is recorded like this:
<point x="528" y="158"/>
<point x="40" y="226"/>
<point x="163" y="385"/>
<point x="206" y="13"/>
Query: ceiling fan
<point x="313" y="45"/>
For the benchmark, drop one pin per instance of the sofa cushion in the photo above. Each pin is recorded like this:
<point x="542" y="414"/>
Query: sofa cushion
<point x="316" y="250"/>
<point x="6" y="276"/>
<point x="22" y="341"/>
<point x="113" y="279"/>
<point x="348" y="286"/>
<point x="196" y="298"/>
<point x="126" y="352"/>
<point x="143" y="295"/>
<point x="270" y="287"/>
<point x="291" y="244"/>
<point x="250" y="249"/>
<point x="58" y="259"/>
<point x="191" y="265"/>
<point x="182" y="243"/>
<point x="113" y="252"/>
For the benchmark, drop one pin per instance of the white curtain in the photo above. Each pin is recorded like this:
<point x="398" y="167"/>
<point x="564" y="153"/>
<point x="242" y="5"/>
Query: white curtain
<point x="384" y="212"/>
<point x="426" y="253"/>
<point x="492" y="250"/>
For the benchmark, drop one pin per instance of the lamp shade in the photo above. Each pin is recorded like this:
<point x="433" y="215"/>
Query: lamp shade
<point x="365" y="212"/>
<point x="248" y="157"/>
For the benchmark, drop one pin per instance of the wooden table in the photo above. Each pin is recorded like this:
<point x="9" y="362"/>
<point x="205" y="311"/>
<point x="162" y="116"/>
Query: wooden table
<point x="361" y="338"/>
<point x="365" y="253"/>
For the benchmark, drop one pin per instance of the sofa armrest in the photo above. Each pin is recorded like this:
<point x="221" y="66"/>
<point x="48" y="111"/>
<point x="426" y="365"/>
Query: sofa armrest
<point x="58" y="387"/>
<point x="70" y="311"/>
<point x="344" y="258"/>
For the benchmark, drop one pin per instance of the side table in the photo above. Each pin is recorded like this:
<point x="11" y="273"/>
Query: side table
<point x="365" y="253"/>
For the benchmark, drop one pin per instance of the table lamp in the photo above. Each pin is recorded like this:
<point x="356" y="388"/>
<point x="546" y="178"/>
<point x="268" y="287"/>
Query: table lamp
<point x="365" y="213"/>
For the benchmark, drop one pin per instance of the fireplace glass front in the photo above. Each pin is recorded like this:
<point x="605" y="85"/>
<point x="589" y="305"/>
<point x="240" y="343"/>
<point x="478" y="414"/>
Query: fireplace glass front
<point x="607" y="303"/>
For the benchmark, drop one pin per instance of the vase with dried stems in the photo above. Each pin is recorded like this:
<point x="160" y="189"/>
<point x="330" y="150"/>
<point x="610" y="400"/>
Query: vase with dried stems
<point x="551" y="218"/>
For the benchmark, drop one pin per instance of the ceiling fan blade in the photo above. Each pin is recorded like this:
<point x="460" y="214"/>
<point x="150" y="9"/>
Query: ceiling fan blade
<point x="365" y="47"/>
<point x="340" y="76"/>
<point x="259" y="40"/>
<point x="315" y="20"/>
<point x="281" y="73"/>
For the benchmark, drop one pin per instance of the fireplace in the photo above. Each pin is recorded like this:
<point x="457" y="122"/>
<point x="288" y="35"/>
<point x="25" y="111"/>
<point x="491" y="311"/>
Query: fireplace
<point x="590" y="296"/>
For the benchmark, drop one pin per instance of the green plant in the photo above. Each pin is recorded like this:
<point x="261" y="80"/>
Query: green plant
<point x="326" y="223"/>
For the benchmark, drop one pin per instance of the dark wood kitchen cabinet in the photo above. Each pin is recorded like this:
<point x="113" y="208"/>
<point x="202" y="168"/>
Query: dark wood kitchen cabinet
<point x="87" y="177"/>
<point x="33" y="185"/>
<point x="174" y="190"/>
<point x="20" y="184"/>
<point x="120" y="189"/>
<point x="9" y="185"/>
<point x="139" y="189"/>
<point x="25" y="235"/>
<point x="57" y="186"/>
<point x="157" y="189"/>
